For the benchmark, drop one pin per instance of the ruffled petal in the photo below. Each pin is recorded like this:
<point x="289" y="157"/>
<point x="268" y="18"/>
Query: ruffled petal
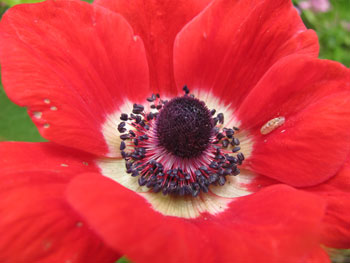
<point x="72" y="64"/>
<point x="231" y="45"/>
<point x="312" y="142"/>
<point x="336" y="226"/>
<point x="36" y="223"/>
<point x="158" y="22"/>
<point x="278" y="224"/>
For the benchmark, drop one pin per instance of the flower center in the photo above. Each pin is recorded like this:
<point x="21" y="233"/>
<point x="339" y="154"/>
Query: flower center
<point x="178" y="146"/>
<point x="184" y="127"/>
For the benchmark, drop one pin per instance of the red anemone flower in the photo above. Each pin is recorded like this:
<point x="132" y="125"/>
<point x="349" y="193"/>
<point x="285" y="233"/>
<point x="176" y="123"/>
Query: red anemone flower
<point x="181" y="131"/>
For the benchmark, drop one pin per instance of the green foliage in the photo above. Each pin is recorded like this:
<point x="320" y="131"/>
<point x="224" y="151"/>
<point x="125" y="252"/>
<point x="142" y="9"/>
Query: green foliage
<point x="15" y="124"/>
<point x="333" y="30"/>
<point x="16" y="2"/>
<point x="123" y="260"/>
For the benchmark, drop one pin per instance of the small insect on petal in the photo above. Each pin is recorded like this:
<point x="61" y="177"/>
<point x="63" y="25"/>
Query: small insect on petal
<point x="272" y="125"/>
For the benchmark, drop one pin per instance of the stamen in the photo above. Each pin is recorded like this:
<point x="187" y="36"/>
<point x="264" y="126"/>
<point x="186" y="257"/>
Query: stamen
<point x="180" y="147"/>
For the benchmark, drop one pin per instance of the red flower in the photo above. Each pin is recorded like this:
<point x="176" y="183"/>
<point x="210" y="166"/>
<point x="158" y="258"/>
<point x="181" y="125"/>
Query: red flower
<point x="79" y="68"/>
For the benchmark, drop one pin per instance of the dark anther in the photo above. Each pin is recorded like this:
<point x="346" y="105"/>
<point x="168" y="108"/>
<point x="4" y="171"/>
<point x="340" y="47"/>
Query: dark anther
<point x="236" y="149"/>
<point x="220" y="136"/>
<point x="138" y="119"/>
<point x="122" y="146"/>
<point x="220" y="116"/>
<point x="222" y="180"/>
<point x="240" y="156"/>
<point x="214" y="165"/>
<point x="121" y="128"/>
<point x="212" y="112"/>
<point x="185" y="89"/>
<point x="132" y="133"/>
<point x="142" y="181"/>
<point x="229" y="133"/>
<point x="149" y="116"/>
<point x="124" y="117"/>
<point x="235" y="141"/>
<point x="213" y="178"/>
<point x="124" y="136"/>
<point x="135" y="173"/>
<point x="137" y="108"/>
<point x="231" y="159"/>
<point x="225" y="143"/>
<point x="152" y="98"/>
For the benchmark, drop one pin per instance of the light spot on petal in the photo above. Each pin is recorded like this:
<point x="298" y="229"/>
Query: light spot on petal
<point x="64" y="165"/>
<point x="53" y="108"/>
<point x="37" y="114"/>
<point x="79" y="224"/>
<point x="46" y="125"/>
<point x="86" y="163"/>
<point x="46" y="245"/>
<point x="272" y="125"/>
<point x="47" y="101"/>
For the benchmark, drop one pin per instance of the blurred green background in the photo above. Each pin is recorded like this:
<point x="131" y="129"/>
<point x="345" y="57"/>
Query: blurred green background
<point x="332" y="24"/>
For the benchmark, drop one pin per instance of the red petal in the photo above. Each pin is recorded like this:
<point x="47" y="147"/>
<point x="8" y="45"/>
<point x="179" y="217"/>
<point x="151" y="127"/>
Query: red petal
<point x="317" y="256"/>
<point x="336" y="230"/>
<point x="313" y="96"/>
<point x="37" y="157"/>
<point x="72" y="64"/>
<point x="157" y="22"/>
<point x="278" y="224"/>
<point x="36" y="223"/>
<point x="230" y="46"/>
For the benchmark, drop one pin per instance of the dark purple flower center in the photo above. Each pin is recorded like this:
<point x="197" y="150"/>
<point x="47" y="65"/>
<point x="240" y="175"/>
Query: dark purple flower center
<point x="184" y="127"/>
<point x="178" y="147"/>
